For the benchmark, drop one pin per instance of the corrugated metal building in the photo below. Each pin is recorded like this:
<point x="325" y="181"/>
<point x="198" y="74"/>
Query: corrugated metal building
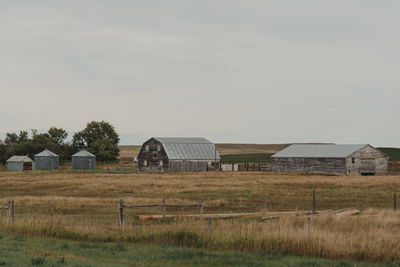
<point x="83" y="160"/>
<point x="20" y="163"/>
<point x="46" y="160"/>
<point x="330" y="159"/>
<point x="178" y="154"/>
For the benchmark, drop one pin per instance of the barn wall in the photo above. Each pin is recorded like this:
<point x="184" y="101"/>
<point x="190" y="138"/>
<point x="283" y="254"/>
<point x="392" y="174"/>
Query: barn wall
<point x="153" y="161"/>
<point x="309" y="165"/>
<point x="87" y="163"/>
<point x="189" y="165"/>
<point x="46" y="163"/>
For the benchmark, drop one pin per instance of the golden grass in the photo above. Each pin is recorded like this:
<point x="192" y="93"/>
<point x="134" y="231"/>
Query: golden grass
<point x="85" y="208"/>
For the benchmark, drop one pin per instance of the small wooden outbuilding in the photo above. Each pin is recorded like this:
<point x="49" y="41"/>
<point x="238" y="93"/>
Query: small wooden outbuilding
<point x="83" y="160"/>
<point x="20" y="163"/>
<point x="178" y="154"/>
<point x="46" y="160"/>
<point x="330" y="159"/>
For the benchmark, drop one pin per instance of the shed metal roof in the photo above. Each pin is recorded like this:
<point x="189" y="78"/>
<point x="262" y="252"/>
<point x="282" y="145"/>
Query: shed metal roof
<point x="46" y="153"/>
<point x="83" y="153"/>
<point x="188" y="148"/>
<point x="318" y="151"/>
<point x="19" y="159"/>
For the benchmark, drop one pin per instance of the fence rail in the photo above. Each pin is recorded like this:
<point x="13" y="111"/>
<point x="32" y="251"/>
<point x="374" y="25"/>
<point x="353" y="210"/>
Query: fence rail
<point x="163" y="204"/>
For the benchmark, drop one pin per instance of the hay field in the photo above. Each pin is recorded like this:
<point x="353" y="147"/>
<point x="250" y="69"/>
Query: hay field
<point x="85" y="209"/>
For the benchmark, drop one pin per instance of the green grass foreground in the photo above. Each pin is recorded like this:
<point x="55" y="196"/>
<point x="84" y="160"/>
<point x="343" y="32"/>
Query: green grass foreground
<point x="17" y="250"/>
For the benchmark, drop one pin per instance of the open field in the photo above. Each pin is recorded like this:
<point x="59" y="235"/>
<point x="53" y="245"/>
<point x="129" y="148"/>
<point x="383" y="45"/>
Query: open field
<point x="85" y="209"/>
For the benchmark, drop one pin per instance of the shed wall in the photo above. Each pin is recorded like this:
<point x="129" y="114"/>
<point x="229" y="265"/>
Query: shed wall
<point x="15" y="166"/>
<point x="46" y="163"/>
<point x="367" y="160"/>
<point x="88" y="163"/>
<point x="309" y="165"/>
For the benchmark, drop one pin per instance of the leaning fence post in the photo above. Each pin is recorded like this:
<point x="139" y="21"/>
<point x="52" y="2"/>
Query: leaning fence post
<point x="308" y="226"/>
<point x="394" y="201"/>
<point x="201" y="208"/>
<point x="163" y="208"/>
<point x="12" y="210"/>
<point x="121" y="211"/>
<point x="209" y="228"/>
<point x="313" y="199"/>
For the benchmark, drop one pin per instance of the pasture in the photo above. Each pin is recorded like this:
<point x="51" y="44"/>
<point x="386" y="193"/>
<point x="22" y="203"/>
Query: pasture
<point x="84" y="208"/>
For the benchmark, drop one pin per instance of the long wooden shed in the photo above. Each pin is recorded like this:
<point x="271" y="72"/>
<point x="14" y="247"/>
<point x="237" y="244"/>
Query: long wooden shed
<point x="177" y="154"/>
<point x="330" y="159"/>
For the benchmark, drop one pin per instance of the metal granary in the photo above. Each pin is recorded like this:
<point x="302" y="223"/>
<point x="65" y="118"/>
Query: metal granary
<point x="20" y="163"/>
<point x="46" y="160"/>
<point x="83" y="160"/>
<point x="330" y="159"/>
<point x="178" y="154"/>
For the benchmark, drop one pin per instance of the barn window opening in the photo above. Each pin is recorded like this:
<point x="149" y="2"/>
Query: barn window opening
<point x="353" y="160"/>
<point x="147" y="148"/>
<point x="158" y="148"/>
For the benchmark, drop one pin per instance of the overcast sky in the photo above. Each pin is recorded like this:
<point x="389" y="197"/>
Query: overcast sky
<point x="232" y="71"/>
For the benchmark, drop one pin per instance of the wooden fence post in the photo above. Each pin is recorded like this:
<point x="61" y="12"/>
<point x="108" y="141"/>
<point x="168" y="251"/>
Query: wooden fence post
<point x="163" y="208"/>
<point x="313" y="200"/>
<point x="121" y="211"/>
<point x="51" y="219"/>
<point x="201" y="208"/>
<point x="308" y="226"/>
<point x="12" y="210"/>
<point x="123" y="225"/>
<point x="209" y="228"/>
<point x="394" y="201"/>
<point x="8" y="211"/>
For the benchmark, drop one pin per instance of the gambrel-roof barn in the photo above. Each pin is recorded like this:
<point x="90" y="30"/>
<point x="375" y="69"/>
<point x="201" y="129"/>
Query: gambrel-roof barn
<point x="177" y="154"/>
<point x="330" y="159"/>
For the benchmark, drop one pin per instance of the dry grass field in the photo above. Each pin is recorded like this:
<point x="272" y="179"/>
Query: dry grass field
<point x="85" y="209"/>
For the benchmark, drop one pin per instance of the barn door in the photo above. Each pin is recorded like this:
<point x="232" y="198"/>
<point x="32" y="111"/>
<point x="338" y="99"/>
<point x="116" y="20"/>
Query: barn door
<point x="367" y="166"/>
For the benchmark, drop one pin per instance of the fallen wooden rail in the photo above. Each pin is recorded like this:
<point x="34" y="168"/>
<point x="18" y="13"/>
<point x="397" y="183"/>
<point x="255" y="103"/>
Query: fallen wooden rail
<point x="196" y="216"/>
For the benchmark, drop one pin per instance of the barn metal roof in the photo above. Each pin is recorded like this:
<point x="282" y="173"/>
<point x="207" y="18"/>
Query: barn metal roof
<point x="318" y="151"/>
<point x="19" y="159"/>
<point x="83" y="153"/>
<point x="188" y="148"/>
<point x="46" y="153"/>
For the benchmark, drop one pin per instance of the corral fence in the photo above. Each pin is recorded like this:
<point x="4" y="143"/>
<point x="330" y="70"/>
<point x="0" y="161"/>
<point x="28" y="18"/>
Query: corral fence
<point x="394" y="167"/>
<point x="246" y="166"/>
<point x="10" y="210"/>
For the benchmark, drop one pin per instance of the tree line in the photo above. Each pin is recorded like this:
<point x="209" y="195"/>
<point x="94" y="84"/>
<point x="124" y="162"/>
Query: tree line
<point x="99" y="138"/>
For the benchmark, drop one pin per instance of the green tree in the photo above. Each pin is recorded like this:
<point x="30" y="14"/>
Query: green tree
<point x="100" y="138"/>
<point x="58" y="135"/>
<point x="4" y="155"/>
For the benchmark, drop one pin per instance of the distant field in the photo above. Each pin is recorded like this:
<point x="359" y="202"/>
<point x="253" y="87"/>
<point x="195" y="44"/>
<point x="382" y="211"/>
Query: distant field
<point x="128" y="151"/>
<point x="241" y="158"/>
<point x="394" y="153"/>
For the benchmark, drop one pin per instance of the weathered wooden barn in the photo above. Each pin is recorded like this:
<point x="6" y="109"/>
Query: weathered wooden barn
<point x="177" y="154"/>
<point x="46" y="160"/>
<point x="20" y="163"/>
<point x="84" y="160"/>
<point x="330" y="159"/>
